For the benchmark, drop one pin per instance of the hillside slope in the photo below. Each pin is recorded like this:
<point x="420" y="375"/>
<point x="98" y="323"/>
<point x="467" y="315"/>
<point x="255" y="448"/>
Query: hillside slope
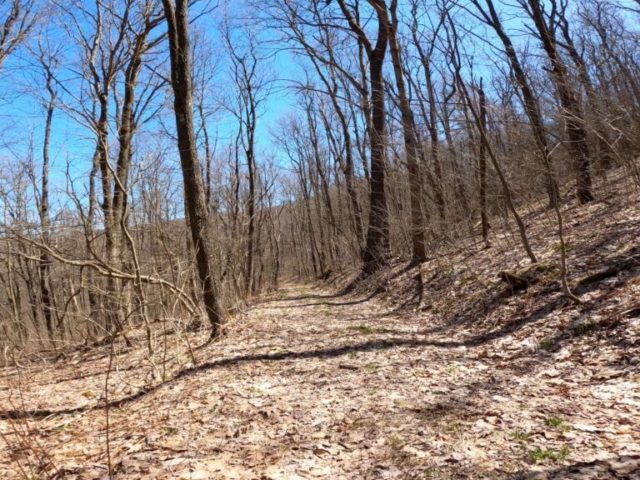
<point x="440" y="371"/>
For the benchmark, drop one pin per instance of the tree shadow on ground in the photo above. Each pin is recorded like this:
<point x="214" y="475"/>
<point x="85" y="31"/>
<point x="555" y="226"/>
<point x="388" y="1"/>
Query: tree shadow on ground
<point x="372" y="345"/>
<point x="618" y="468"/>
<point x="505" y="329"/>
<point x="401" y="340"/>
<point x="310" y="296"/>
<point x="355" y="301"/>
<point x="330" y="352"/>
<point x="611" y="238"/>
<point x="620" y="270"/>
<point x="348" y="290"/>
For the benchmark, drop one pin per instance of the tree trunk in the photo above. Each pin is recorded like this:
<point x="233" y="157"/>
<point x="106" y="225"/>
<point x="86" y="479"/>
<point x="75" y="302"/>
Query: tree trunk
<point x="376" y="251"/>
<point x="482" y="160"/>
<point x="197" y="211"/>
<point x="419" y="253"/>
<point x="45" y="259"/>
<point x="531" y="106"/>
<point x="574" y="120"/>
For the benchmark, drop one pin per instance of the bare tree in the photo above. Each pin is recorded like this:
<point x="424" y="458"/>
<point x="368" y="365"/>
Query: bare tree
<point x="114" y="42"/>
<point x="343" y="84"/>
<point x="177" y="18"/>
<point x="17" y="18"/>
<point x="419" y="253"/>
<point x="482" y="162"/>
<point x="376" y="250"/>
<point x="559" y="14"/>
<point x="572" y="112"/>
<point x="425" y="49"/>
<point x="48" y="65"/>
<point x="454" y="46"/>
<point x="250" y="90"/>
<point x="489" y="15"/>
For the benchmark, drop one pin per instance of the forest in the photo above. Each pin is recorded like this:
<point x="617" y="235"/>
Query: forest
<point x="291" y="239"/>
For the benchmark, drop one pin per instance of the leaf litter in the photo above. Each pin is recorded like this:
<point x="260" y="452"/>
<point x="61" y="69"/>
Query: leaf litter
<point x="435" y="372"/>
<point x="277" y="402"/>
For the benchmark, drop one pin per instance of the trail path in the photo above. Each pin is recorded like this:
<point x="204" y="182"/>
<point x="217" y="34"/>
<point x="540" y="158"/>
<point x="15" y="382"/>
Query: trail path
<point x="309" y="385"/>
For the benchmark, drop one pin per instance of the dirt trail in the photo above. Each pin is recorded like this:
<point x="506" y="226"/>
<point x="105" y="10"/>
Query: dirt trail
<point x="310" y="385"/>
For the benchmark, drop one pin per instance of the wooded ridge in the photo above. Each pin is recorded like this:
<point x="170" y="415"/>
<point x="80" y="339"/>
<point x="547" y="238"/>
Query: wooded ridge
<point x="333" y="239"/>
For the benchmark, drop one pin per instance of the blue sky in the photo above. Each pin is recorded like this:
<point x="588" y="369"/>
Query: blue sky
<point x="22" y="115"/>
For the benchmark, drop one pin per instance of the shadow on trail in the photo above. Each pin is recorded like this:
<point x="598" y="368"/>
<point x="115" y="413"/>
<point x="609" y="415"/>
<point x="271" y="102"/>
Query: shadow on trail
<point x="346" y="291"/>
<point x="504" y="330"/>
<point x="619" y="468"/>
<point x="310" y="296"/>
<point x="355" y="301"/>
<point x="332" y="352"/>
<point x="400" y="340"/>
<point x="313" y="296"/>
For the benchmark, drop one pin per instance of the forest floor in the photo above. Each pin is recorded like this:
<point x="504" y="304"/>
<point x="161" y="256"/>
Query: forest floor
<point x="321" y="386"/>
<point x="433" y="372"/>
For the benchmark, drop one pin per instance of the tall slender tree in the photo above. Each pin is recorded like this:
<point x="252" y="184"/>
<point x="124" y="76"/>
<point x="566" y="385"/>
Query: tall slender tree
<point x="572" y="111"/>
<point x="489" y="15"/>
<point x="376" y="251"/>
<point x="177" y="18"/>
<point x="418" y="247"/>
